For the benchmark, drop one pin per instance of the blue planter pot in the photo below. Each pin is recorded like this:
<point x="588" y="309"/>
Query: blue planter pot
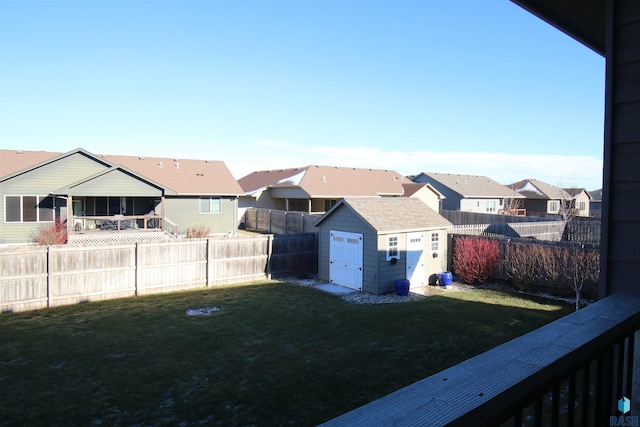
<point x="402" y="287"/>
<point x="445" y="278"/>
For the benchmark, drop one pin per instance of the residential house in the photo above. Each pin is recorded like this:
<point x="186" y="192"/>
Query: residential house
<point x="544" y="199"/>
<point x="366" y="243"/>
<point x="581" y="199"/>
<point x="425" y="192"/>
<point x="92" y="192"/>
<point x="315" y="189"/>
<point x="595" y="204"/>
<point x="470" y="193"/>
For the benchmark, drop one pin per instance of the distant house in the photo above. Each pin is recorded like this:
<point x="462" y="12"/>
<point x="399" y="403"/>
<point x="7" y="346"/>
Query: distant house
<point x="470" y="193"/>
<point x="366" y="243"/>
<point x="315" y="189"/>
<point x="581" y="201"/>
<point x="595" y="204"/>
<point x="542" y="198"/>
<point x="93" y="193"/>
<point x="425" y="192"/>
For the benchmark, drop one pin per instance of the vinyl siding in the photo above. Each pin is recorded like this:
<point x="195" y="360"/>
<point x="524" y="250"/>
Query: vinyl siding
<point x="116" y="183"/>
<point x="185" y="212"/>
<point x="621" y="196"/>
<point x="41" y="182"/>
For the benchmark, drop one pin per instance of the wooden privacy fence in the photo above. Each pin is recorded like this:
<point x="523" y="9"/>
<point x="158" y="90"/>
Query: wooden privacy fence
<point x="35" y="277"/>
<point x="548" y="230"/>
<point x="275" y="221"/>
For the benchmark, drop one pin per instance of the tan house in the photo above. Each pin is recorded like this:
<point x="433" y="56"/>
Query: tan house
<point x="425" y="192"/>
<point x="581" y="201"/>
<point x="92" y="193"/>
<point x="542" y="198"/>
<point x="315" y="189"/>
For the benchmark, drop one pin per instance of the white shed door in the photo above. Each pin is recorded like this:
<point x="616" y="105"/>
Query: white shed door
<point x="415" y="259"/>
<point x="345" y="255"/>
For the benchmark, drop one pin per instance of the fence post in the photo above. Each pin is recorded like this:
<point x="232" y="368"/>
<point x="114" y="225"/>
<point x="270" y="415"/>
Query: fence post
<point x="208" y="258"/>
<point x="269" y="253"/>
<point x="49" y="277"/>
<point x="137" y="267"/>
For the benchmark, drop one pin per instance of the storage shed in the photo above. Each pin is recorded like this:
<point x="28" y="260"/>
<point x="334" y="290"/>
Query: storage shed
<point x="366" y="243"/>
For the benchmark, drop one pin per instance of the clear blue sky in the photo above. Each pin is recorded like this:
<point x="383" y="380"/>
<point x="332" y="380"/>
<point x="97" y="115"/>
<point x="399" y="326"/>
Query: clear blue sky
<point x="468" y="86"/>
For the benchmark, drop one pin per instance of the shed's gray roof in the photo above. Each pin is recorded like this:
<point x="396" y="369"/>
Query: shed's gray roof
<point x="469" y="185"/>
<point x="389" y="214"/>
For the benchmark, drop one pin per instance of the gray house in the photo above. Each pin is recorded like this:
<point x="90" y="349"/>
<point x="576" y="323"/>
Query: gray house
<point x="97" y="193"/>
<point x="470" y="193"/>
<point x="366" y="243"/>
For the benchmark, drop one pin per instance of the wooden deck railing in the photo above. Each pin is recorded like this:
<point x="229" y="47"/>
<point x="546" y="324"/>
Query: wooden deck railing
<point x="573" y="371"/>
<point x="116" y="222"/>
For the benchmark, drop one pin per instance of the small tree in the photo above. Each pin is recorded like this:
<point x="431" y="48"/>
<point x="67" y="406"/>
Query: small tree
<point x="475" y="258"/>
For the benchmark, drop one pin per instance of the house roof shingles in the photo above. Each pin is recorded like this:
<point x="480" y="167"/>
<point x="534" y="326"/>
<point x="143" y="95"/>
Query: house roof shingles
<point x="471" y="185"/>
<point x="390" y="214"/>
<point x="328" y="181"/>
<point x="183" y="176"/>
<point x="534" y="189"/>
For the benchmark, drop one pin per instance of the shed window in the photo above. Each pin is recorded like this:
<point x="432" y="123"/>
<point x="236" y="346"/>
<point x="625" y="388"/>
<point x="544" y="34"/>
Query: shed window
<point x="28" y="209"/>
<point x="210" y="205"/>
<point x="435" y="241"/>
<point x="392" y="248"/>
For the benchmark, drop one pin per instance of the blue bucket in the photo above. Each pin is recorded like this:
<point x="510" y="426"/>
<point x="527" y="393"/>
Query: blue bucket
<point x="445" y="278"/>
<point x="402" y="287"/>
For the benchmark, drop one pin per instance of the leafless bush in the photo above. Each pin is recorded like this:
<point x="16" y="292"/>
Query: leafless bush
<point x="572" y="271"/>
<point x="53" y="234"/>
<point x="198" y="232"/>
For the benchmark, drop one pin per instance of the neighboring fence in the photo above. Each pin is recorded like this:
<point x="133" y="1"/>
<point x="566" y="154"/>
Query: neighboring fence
<point x="33" y="277"/>
<point x="548" y="230"/>
<point x="275" y="221"/>
<point x="463" y="218"/>
<point x="581" y="229"/>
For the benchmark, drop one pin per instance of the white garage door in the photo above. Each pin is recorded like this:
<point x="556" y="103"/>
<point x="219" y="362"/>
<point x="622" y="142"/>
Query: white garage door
<point x="345" y="255"/>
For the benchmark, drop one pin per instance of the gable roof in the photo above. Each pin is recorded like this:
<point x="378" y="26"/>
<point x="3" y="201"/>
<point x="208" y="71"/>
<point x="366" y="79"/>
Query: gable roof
<point x="411" y="188"/>
<point x="575" y="192"/>
<point x="327" y="181"/>
<point x="534" y="189"/>
<point x="183" y="177"/>
<point x="391" y="214"/>
<point x="470" y="185"/>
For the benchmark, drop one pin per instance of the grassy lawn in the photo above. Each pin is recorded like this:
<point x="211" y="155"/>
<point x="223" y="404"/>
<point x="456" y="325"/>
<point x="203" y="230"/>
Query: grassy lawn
<point x="277" y="354"/>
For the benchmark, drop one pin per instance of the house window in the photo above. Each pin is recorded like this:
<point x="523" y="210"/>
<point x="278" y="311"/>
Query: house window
<point x="328" y="204"/>
<point x="28" y="209"/>
<point x="582" y="206"/>
<point x="435" y="241"/>
<point x="392" y="248"/>
<point x="210" y="205"/>
<point x="553" y="206"/>
<point x="491" y="206"/>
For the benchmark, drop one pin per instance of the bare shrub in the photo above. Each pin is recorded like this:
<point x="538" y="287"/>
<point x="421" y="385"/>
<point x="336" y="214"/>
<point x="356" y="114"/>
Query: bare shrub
<point x="52" y="234"/>
<point x="475" y="259"/>
<point x="521" y="267"/>
<point x="198" y="232"/>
